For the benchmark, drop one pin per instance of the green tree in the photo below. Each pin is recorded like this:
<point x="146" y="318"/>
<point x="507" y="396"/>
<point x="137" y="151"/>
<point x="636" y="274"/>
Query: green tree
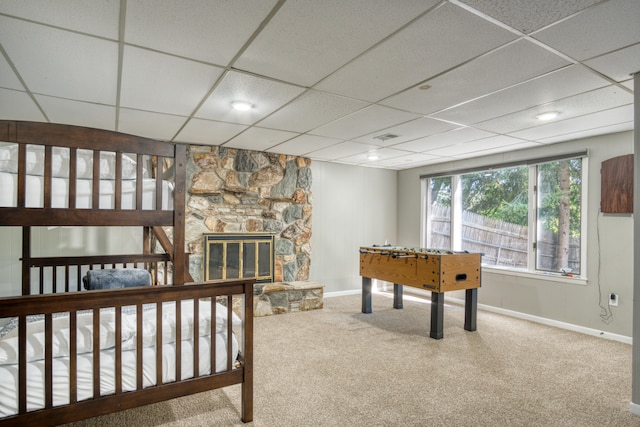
<point x="499" y="194"/>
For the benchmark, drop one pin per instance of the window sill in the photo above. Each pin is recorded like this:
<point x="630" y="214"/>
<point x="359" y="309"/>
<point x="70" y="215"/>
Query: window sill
<point x="548" y="277"/>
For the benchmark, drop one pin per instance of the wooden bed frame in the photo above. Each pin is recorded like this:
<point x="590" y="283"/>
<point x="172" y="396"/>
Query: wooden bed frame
<point x="50" y="298"/>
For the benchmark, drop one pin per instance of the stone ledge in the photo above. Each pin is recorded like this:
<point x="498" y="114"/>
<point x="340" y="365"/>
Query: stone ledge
<point x="287" y="297"/>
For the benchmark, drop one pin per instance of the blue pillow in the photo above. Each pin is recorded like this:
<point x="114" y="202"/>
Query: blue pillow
<point x="117" y="278"/>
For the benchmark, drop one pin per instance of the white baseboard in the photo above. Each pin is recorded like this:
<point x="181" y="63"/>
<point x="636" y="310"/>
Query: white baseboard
<point x="634" y="408"/>
<point x="551" y="322"/>
<point x="342" y="293"/>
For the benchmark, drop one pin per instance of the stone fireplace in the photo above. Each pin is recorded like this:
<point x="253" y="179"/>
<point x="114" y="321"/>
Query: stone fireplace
<point x="234" y="191"/>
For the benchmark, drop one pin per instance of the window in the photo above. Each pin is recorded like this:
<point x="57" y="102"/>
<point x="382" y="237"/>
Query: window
<point x="524" y="217"/>
<point x="439" y="202"/>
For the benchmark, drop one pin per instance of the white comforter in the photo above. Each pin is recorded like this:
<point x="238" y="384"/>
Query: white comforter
<point x="35" y="352"/>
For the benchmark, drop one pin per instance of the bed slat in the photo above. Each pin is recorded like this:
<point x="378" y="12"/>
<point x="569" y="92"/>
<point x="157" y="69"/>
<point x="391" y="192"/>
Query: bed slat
<point x="158" y="343"/>
<point x="139" y="177"/>
<point x="196" y="337"/>
<point x="212" y="348"/>
<point x="158" y="178"/>
<point x="22" y="176"/>
<point x="139" y="347"/>
<point x="96" y="353"/>
<point x="73" y="357"/>
<point x="22" y="363"/>
<point x="229" y="331"/>
<point x="48" y="361"/>
<point x="178" y="342"/>
<point x="73" y="173"/>
<point x="117" y="198"/>
<point x="48" y="194"/>
<point x="95" y="187"/>
<point x="118" y="349"/>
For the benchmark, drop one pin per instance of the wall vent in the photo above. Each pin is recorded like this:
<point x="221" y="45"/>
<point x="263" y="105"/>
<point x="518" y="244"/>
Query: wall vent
<point x="386" y="136"/>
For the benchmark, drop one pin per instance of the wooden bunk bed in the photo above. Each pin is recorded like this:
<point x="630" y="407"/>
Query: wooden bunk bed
<point x="75" y="353"/>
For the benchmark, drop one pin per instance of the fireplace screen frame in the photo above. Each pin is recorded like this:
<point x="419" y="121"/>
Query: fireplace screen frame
<point x="232" y="247"/>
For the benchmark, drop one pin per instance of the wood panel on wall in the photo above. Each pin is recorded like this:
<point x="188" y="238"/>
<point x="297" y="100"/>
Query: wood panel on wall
<point x="616" y="190"/>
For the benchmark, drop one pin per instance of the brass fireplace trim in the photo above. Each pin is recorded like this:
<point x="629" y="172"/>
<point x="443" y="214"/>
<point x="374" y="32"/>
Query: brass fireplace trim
<point x="232" y="248"/>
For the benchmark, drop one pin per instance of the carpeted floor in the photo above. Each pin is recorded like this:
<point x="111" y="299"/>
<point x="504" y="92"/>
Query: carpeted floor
<point x="339" y="367"/>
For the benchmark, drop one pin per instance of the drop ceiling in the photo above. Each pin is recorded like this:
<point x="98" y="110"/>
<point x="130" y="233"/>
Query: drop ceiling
<point x="415" y="82"/>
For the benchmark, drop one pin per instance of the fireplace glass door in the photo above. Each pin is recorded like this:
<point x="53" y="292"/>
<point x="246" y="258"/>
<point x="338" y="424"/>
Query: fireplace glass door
<point x="237" y="256"/>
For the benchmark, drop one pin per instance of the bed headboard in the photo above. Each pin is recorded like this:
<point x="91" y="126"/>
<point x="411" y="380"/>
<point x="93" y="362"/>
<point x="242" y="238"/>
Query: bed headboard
<point x="92" y="149"/>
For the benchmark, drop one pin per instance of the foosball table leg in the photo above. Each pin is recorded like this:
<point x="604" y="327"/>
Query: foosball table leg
<point x="437" y="315"/>
<point x="397" y="295"/>
<point x="366" y="295"/>
<point x="470" y="309"/>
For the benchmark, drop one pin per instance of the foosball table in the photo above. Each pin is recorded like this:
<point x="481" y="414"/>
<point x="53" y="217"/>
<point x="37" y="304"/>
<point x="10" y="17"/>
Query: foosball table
<point x="437" y="271"/>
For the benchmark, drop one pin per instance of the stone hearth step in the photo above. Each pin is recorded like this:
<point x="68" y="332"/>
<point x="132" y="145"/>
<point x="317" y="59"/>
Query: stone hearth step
<point x="287" y="297"/>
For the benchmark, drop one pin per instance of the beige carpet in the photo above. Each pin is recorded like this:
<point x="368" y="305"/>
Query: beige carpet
<point x="339" y="367"/>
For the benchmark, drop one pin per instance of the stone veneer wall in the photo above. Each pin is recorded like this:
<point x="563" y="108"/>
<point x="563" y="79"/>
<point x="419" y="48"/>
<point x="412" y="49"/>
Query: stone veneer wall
<point x="233" y="190"/>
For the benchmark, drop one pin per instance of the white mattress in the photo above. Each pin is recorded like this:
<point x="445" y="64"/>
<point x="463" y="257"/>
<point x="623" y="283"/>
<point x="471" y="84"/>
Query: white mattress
<point x="60" y="193"/>
<point x="60" y="348"/>
<point x="35" y="373"/>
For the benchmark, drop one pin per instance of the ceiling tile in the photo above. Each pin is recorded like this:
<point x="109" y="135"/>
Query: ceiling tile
<point x="619" y="65"/>
<point x="483" y="75"/>
<point x="99" y="18"/>
<point x="559" y="84"/>
<point x="308" y="39"/>
<point x="444" y="38"/>
<point x="464" y="148"/>
<point x="8" y="78"/>
<point x="591" y="33"/>
<point x="311" y="110"/>
<point x="15" y="105"/>
<point x="414" y="129"/>
<point x="527" y="15"/>
<point x="259" y="139"/>
<point x="381" y="153"/>
<point x="162" y="83"/>
<point x="590" y="121"/>
<point x="341" y="150"/>
<point x="208" y="132"/>
<point x="574" y="106"/>
<point x="604" y="130"/>
<point x="203" y="30"/>
<point x="363" y="122"/>
<point x="149" y="125"/>
<point x="406" y="161"/>
<point x="445" y="139"/>
<point x="304" y="144"/>
<point x="78" y="113"/>
<point x="265" y="95"/>
<point x="497" y="150"/>
<point x="62" y="63"/>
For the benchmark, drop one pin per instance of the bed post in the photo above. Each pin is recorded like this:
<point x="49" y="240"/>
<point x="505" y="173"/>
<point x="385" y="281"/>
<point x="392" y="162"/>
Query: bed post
<point x="26" y="260"/>
<point x="247" y="383"/>
<point x="179" y="257"/>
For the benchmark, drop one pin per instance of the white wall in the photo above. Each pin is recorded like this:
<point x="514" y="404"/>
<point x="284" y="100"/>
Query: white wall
<point x="609" y="246"/>
<point x="352" y="207"/>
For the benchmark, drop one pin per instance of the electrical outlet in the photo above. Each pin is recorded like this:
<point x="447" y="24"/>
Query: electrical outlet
<point x="613" y="299"/>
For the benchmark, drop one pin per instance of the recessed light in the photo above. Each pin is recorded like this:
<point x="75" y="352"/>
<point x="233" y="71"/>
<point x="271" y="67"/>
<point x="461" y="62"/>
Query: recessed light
<point x="372" y="156"/>
<point x="241" y="105"/>
<point x="550" y="115"/>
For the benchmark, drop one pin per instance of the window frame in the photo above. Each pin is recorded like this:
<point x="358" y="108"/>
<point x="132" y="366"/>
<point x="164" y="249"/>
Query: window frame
<point x="456" y="213"/>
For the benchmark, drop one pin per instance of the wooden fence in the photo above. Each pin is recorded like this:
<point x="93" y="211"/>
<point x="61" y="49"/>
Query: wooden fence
<point x="502" y="243"/>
